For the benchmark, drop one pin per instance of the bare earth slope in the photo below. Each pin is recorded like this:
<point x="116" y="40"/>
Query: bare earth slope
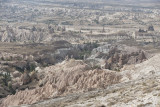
<point x="67" y="77"/>
<point x="135" y="85"/>
<point x="139" y="93"/>
<point x="142" y="90"/>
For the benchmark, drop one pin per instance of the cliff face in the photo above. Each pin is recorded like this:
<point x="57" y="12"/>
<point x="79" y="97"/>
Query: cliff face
<point x="8" y="34"/>
<point x="40" y="33"/>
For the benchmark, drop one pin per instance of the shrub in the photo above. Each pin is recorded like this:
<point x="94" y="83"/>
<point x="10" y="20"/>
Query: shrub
<point x="6" y="78"/>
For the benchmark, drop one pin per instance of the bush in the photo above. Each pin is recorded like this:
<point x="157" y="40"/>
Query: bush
<point x="30" y="66"/>
<point x="6" y="78"/>
<point x="10" y="88"/>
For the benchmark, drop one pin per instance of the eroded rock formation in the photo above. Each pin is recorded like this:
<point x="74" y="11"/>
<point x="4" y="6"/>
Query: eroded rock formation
<point x="64" y="78"/>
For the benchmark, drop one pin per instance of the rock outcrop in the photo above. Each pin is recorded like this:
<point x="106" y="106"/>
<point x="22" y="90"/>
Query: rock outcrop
<point x="118" y="57"/>
<point x="144" y="69"/>
<point x="25" y="78"/>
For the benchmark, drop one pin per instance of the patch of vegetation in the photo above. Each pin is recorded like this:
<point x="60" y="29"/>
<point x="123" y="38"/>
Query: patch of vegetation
<point x="6" y="78"/>
<point x="30" y="66"/>
<point x="86" y="51"/>
<point x="6" y="81"/>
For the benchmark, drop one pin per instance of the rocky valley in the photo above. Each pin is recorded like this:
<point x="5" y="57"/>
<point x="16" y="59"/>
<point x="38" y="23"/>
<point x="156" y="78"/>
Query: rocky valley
<point x="70" y="53"/>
